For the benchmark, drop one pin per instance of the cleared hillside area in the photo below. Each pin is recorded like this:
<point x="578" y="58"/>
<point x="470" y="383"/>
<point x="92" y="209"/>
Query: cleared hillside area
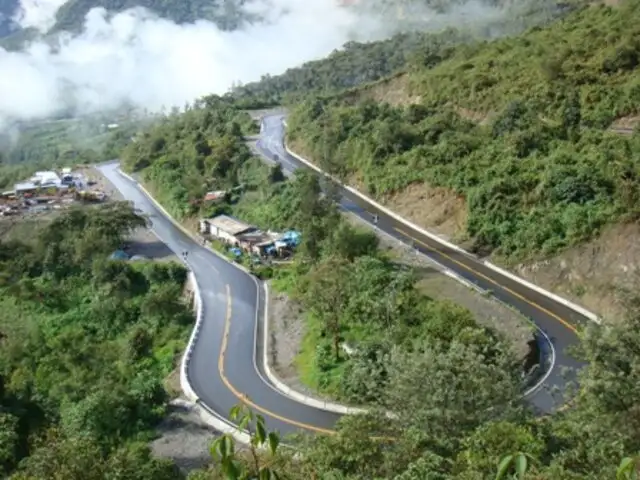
<point x="504" y="147"/>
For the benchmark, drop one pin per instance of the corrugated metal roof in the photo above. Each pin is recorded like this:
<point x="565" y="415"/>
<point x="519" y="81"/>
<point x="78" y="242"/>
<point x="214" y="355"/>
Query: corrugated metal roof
<point x="25" y="186"/>
<point x="228" y="224"/>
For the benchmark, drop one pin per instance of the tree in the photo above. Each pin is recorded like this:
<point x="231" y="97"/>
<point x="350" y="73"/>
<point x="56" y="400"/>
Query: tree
<point x="458" y="391"/>
<point x="326" y="295"/>
<point x="571" y="115"/>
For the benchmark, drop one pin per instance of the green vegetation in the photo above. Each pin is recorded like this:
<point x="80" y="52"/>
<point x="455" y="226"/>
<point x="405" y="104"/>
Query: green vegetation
<point x="354" y="295"/>
<point x="439" y="434"/>
<point x="228" y="15"/>
<point x="426" y="41"/>
<point x="85" y="346"/>
<point x="89" y="341"/>
<point x="543" y="175"/>
<point x="423" y="359"/>
<point x="592" y="54"/>
<point x="59" y="143"/>
<point x="353" y="65"/>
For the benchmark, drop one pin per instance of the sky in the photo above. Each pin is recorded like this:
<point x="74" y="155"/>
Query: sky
<point x="137" y="58"/>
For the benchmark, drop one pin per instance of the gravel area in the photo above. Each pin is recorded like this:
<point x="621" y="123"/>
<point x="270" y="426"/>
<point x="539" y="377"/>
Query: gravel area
<point x="487" y="311"/>
<point x="184" y="437"/>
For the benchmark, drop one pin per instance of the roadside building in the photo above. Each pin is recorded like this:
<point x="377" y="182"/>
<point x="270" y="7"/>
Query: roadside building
<point x="46" y="179"/>
<point x="215" y="196"/>
<point x="226" y="228"/>
<point x="256" y="241"/>
<point x="25" y="188"/>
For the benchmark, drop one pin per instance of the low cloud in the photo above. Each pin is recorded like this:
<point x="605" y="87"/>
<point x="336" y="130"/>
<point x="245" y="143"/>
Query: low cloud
<point x="38" y="14"/>
<point x="136" y="58"/>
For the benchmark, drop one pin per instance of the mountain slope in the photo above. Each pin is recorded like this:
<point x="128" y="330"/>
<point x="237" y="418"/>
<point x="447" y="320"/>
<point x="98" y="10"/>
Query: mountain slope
<point x="227" y="14"/>
<point x="538" y="176"/>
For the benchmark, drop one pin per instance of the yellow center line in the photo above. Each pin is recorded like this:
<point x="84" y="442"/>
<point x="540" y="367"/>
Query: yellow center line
<point x="244" y="398"/>
<point x="490" y="280"/>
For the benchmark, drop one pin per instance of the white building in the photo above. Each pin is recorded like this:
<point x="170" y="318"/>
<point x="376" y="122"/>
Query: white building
<point x="225" y="228"/>
<point x="46" y="179"/>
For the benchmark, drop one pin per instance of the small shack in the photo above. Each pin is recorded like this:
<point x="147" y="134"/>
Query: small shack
<point x="226" y="228"/>
<point x="256" y="241"/>
<point x="215" y="196"/>
<point x="25" y="188"/>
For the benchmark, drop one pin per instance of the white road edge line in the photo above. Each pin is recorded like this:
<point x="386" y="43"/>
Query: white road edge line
<point x="274" y="382"/>
<point x="277" y="384"/>
<point x="211" y="418"/>
<point x="577" y="308"/>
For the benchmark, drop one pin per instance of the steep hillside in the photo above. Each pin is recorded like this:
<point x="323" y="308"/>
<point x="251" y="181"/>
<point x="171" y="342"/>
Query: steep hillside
<point x="227" y="14"/>
<point x="503" y="146"/>
<point x="430" y="29"/>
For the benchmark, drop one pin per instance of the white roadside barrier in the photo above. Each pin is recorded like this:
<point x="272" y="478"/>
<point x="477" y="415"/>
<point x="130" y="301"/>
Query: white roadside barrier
<point x="273" y="380"/>
<point x="577" y="308"/>
<point x="213" y="419"/>
<point x="285" y="389"/>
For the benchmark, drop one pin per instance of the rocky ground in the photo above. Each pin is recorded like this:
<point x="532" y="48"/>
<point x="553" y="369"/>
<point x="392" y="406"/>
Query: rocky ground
<point x="184" y="437"/>
<point x="286" y="332"/>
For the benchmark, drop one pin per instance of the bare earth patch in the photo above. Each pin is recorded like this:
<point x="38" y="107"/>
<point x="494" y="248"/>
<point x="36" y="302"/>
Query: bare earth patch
<point x="626" y="123"/>
<point x="597" y="274"/>
<point x="442" y="210"/>
<point x="395" y="91"/>
<point x="286" y="332"/>
<point x="184" y="437"/>
<point x="481" y="118"/>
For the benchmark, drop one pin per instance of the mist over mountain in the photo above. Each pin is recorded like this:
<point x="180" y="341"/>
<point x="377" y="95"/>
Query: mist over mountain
<point x="83" y="56"/>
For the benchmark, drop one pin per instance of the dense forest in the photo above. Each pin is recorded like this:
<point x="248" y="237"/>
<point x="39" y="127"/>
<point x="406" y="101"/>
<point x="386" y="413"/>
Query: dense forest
<point x="444" y="428"/>
<point x="541" y="173"/>
<point x="227" y="14"/>
<point x="518" y="127"/>
<point x="86" y="344"/>
<point x="427" y="43"/>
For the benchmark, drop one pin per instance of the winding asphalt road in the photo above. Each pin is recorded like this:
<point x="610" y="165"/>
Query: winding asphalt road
<point x="558" y="322"/>
<point x="223" y="369"/>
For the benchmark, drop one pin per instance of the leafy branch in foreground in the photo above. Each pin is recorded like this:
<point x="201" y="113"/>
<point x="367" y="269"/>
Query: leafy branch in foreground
<point x="514" y="466"/>
<point x="224" y="451"/>
<point x="628" y="468"/>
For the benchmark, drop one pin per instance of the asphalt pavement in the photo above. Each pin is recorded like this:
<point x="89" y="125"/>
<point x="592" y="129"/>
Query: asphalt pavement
<point x="223" y="369"/>
<point x="231" y="301"/>
<point x="558" y="322"/>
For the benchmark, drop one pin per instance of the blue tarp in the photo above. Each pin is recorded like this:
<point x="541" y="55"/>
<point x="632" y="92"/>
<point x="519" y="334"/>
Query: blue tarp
<point x="119" y="255"/>
<point x="291" y="238"/>
<point x="236" y="251"/>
